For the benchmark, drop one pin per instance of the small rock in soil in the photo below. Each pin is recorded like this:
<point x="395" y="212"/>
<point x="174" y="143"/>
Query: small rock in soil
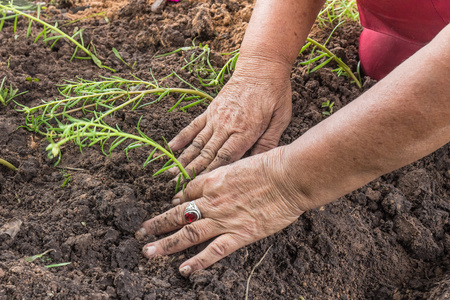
<point x="373" y="195"/>
<point x="395" y="203"/>
<point x="158" y="6"/>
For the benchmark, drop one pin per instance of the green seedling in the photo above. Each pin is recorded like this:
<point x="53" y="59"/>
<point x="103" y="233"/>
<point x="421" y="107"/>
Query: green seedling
<point x="6" y="95"/>
<point x="329" y="105"/>
<point x="90" y="96"/>
<point x="96" y="100"/>
<point x="337" y="11"/>
<point x="44" y="259"/>
<point x="7" y="164"/>
<point x="34" y="257"/>
<point x="50" y="33"/>
<point x="326" y="56"/>
<point x="88" y="133"/>
<point x="117" y="54"/>
<point x="199" y="61"/>
<point x="217" y="78"/>
<point x="67" y="177"/>
<point x="342" y="69"/>
<point x="32" y="79"/>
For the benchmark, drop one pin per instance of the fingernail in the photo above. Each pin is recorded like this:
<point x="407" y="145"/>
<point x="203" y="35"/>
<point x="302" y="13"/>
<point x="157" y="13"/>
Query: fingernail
<point x="150" y="251"/>
<point x="185" y="271"/>
<point x="176" y="201"/>
<point x="143" y="231"/>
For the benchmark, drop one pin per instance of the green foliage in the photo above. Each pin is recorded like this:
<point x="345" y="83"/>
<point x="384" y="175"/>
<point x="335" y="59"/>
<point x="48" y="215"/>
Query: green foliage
<point x="67" y="177"/>
<point x="336" y="11"/>
<point x="32" y="79"/>
<point x="50" y="33"/>
<point x="199" y="61"/>
<point x="323" y="56"/>
<point x="96" y="100"/>
<point x="329" y="106"/>
<point x="6" y="95"/>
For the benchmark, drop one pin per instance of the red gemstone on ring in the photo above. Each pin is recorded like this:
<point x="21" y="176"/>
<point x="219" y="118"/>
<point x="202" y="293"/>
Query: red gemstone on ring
<point x="190" y="217"/>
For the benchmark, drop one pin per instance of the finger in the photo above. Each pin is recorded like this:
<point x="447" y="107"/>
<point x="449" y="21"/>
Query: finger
<point x="271" y="136"/>
<point x="188" y="134"/>
<point x="194" y="150"/>
<point x="171" y="220"/>
<point x="221" y="247"/>
<point x="192" y="191"/>
<point x="233" y="149"/>
<point x="188" y="236"/>
<point x="207" y="154"/>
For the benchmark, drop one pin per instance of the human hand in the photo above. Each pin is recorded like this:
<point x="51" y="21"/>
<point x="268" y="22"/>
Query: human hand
<point x="249" y="111"/>
<point x="240" y="204"/>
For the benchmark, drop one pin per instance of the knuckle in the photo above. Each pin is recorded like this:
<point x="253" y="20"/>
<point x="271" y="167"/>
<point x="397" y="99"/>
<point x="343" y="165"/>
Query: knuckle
<point x="251" y="228"/>
<point x="168" y="244"/>
<point x="152" y="226"/>
<point x="187" y="195"/>
<point x="195" y="124"/>
<point x="218" y="249"/>
<point x="199" y="141"/>
<point x="208" y="153"/>
<point x="224" y="155"/>
<point x="192" y="233"/>
<point x="199" y="263"/>
<point x="211" y="181"/>
<point x="175" y="218"/>
<point x="155" y="227"/>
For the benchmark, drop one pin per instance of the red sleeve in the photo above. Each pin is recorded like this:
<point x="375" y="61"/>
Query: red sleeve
<point x="395" y="29"/>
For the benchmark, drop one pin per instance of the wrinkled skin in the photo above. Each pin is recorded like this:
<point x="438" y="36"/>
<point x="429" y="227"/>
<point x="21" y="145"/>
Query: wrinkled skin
<point x="236" y="208"/>
<point x="401" y="119"/>
<point x="249" y="113"/>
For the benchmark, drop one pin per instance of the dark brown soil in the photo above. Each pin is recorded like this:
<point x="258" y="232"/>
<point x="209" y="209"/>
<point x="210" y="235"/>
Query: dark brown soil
<point x="389" y="239"/>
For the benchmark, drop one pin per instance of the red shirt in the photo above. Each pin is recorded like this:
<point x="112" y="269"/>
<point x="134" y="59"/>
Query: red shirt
<point x="395" y="29"/>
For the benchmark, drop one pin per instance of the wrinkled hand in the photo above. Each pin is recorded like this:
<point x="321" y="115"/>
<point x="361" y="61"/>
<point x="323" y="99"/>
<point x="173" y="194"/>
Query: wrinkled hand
<point x="240" y="204"/>
<point x="247" y="112"/>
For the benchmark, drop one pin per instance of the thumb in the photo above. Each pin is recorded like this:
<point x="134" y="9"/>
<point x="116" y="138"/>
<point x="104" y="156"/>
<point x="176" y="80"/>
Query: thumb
<point x="266" y="142"/>
<point x="272" y="135"/>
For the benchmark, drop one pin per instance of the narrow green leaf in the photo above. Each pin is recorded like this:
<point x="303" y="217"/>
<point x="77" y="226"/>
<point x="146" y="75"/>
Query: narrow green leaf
<point x="30" y="22"/>
<point x="164" y="169"/>
<point x="322" y="64"/>
<point x="34" y="257"/>
<point x="58" y="265"/>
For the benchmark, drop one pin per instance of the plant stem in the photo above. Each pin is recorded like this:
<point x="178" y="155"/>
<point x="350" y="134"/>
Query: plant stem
<point x="337" y="59"/>
<point x="7" y="164"/>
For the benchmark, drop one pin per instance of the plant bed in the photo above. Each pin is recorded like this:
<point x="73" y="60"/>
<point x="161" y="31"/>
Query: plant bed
<point x="388" y="239"/>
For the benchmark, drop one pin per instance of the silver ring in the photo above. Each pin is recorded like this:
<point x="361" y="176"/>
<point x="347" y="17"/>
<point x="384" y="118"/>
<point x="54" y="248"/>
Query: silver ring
<point x="192" y="213"/>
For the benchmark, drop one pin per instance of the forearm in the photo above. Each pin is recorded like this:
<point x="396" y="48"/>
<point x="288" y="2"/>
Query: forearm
<point x="275" y="35"/>
<point x="401" y="119"/>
